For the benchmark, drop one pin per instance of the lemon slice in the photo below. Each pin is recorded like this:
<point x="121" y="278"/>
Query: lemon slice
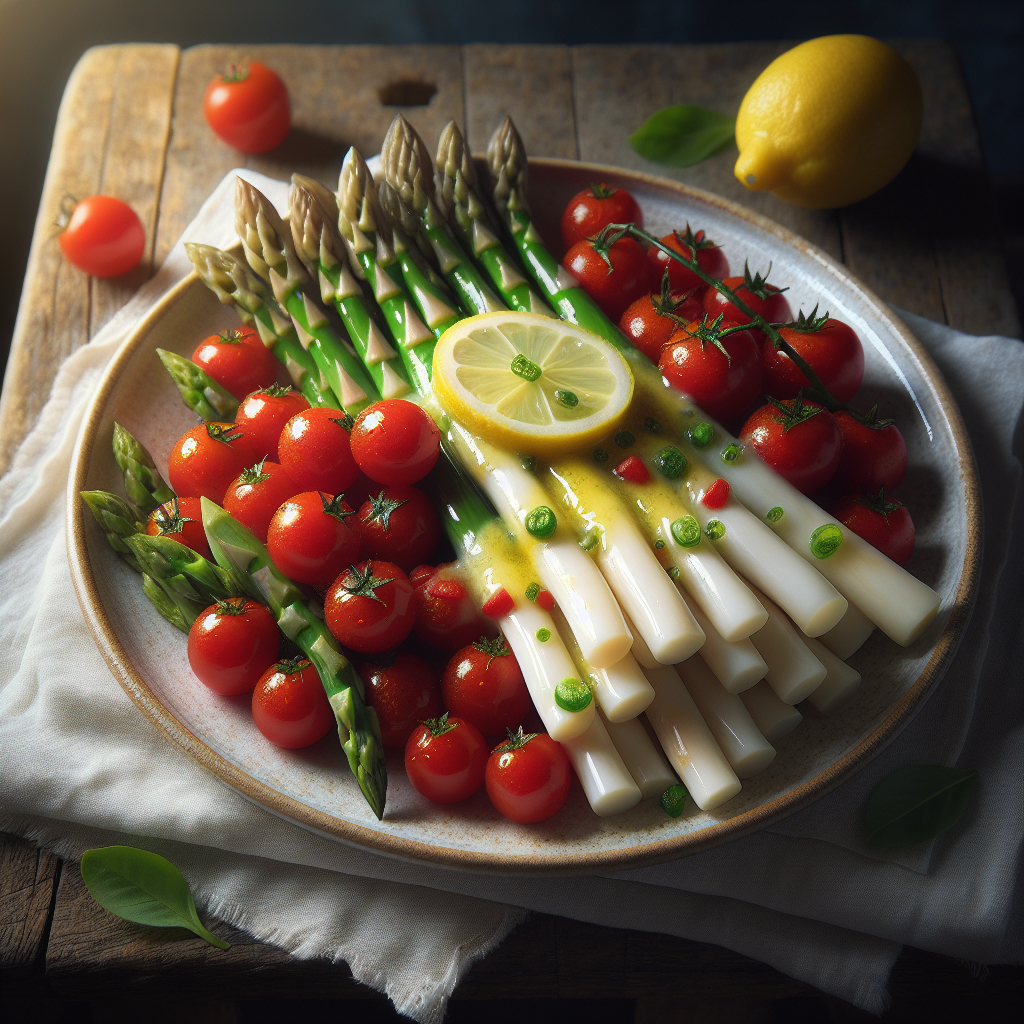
<point x="529" y="383"/>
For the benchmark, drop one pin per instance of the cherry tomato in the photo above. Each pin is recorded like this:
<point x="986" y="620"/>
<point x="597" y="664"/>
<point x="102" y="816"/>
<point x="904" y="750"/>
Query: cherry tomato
<point x="722" y="387"/>
<point x="399" y="524"/>
<point x="248" y="108"/>
<point x="289" y="705"/>
<point x="833" y="352"/>
<point x="483" y="684"/>
<point x="395" y="442"/>
<point x="445" y="759"/>
<point x="403" y="691"/>
<point x="612" y="288"/>
<point x="761" y="297"/>
<point x="710" y="259"/>
<point x="594" y="208"/>
<point x="237" y="360"/>
<point x="874" y="454"/>
<point x="257" y="493"/>
<point x="370" y="608"/>
<point x="882" y="521"/>
<point x="314" y="447"/>
<point x="181" y="519"/>
<point x="528" y="777"/>
<point x="231" y="644"/>
<point x="310" y="539"/>
<point x="205" y="460"/>
<point x="798" y="439"/>
<point x="446" y="615"/>
<point x="263" y="415"/>
<point x="651" y="321"/>
<point x="102" y="236"/>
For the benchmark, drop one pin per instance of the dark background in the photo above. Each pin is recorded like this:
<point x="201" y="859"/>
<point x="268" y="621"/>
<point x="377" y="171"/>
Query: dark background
<point x="41" y="40"/>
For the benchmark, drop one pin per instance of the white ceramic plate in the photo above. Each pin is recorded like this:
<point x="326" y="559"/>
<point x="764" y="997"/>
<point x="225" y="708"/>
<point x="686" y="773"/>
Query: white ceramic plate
<point x="314" y="788"/>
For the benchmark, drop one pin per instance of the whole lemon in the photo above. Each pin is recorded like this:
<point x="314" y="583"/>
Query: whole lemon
<point x="829" y="122"/>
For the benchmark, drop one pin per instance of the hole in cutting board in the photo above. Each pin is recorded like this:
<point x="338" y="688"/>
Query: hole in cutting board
<point x="405" y="93"/>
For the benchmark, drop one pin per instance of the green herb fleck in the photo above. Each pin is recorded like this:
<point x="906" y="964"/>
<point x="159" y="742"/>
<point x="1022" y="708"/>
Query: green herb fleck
<point x="652" y="425"/>
<point x="624" y="439"/>
<point x="686" y="531"/>
<point x="600" y="455"/>
<point x="567" y="398"/>
<point x="673" y="572"/>
<point x="773" y="515"/>
<point x="528" y="462"/>
<point x="673" y="800"/>
<point x="671" y="462"/>
<point x="732" y="452"/>
<point x="525" y="368"/>
<point x="700" y="434"/>
<point x="532" y="591"/>
<point x="573" y="695"/>
<point x="658" y="545"/>
<point x="825" y="540"/>
<point x="543" y="634"/>
<point x="541" y="522"/>
<point x="715" y="530"/>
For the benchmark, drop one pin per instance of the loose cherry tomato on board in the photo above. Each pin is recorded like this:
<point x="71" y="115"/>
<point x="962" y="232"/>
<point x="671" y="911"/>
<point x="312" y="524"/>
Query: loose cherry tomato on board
<point x="882" y="521"/>
<point x="370" y="608"/>
<point x="596" y="207"/>
<point x="710" y="259"/>
<point x="237" y="360"/>
<point x="874" y="454"/>
<point x="263" y="415"/>
<point x="310" y="539"/>
<point x="205" y="459"/>
<point x="231" y="644"/>
<point x="101" y="235"/>
<point x="399" y="524"/>
<point x="289" y="705"/>
<point x="652" y="319"/>
<point x="446" y="615"/>
<point x="763" y="298"/>
<point x="395" y="442"/>
<point x="528" y="777"/>
<point x="445" y="759"/>
<point x="181" y="519"/>
<point x="483" y="684"/>
<point x="798" y="439"/>
<point x="613" y="287"/>
<point x="257" y="493"/>
<point x="248" y="108"/>
<point x="404" y="691"/>
<point x="721" y="384"/>
<point x="314" y="447"/>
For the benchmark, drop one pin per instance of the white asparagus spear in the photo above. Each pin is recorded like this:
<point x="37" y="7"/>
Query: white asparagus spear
<point x="793" y="672"/>
<point x="640" y="651"/>
<point x="643" y="760"/>
<point x="773" y="717"/>
<point x="607" y="783"/>
<point x="730" y="723"/>
<point x="840" y="683"/>
<point x="849" y="634"/>
<point x="688" y="742"/>
<point x="737" y="665"/>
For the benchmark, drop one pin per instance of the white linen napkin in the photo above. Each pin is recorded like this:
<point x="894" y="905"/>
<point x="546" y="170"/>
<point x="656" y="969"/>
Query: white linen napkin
<point x="83" y="767"/>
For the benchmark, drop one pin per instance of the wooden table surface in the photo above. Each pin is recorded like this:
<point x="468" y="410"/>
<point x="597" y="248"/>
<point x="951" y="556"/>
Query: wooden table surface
<point x="131" y="125"/>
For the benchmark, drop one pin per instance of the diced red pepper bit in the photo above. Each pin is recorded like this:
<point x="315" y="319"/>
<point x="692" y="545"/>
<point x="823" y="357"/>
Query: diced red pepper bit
<point x="716" y="495"/>
<point x="632" y="470"/>
<point x="499" y="604"/>
<point x="451" y="590"/>
<point x="546" y="600"/>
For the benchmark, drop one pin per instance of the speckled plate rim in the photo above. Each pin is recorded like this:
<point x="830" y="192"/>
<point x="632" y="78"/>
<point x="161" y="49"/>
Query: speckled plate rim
<point x="621" y="859"/>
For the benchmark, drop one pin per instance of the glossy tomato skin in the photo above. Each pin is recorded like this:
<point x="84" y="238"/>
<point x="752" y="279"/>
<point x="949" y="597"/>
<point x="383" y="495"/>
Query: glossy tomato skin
<point x="399" y="523"/>
<point x="404" y="693"/>
<point x="257" y="493"/>
<point x="310" y="539"/>
<point x="314" y="447"/>
<point x="834" y="353"/>
<point x="892" y="533"/>
<point x="446" y="615"/>
<point x="205" y="459"/>
<point x="237" y="360"/>
<point x="807" y="454"/>
<point x="616" y="288"/>
<point x="775" y="308"/>
<point x="648" y="329"/>
<point x="710" y="258"/>
<point x="530" y="783"/>
<point x="395" y="442"/>
<point x="104" y="237"/>
<point x="596" y="207"/>
<point x="181" y="519"/>
<point x="231" y="644"/>
<point x="447" y="767"/>
<point x="289" y="705"/>
<point x="722" y="388"/>
<point x="486" y="688"/>
<point x="263" y="414"/>
<point x="248" y="108"/>
<point x="367" y="624"/>
<point x="872" y="457"/>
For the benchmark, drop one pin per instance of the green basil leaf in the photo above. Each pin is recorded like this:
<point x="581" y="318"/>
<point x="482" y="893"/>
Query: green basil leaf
<point x="917" y="803"/>
<point x="682" y="136"/>
<point x="143" y="887"/>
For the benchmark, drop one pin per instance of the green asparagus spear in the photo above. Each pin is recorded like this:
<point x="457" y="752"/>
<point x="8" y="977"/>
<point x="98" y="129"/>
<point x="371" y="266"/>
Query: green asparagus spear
<point x="198" y="390"/>
<point x="142" y="480"/>
<point x="118" y="520"/>
<point x="165" y="605"/>
<point x="164" y="558"/>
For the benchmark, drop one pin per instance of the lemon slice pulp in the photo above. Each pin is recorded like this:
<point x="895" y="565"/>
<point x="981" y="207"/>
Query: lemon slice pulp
<point x="529" y="383"/>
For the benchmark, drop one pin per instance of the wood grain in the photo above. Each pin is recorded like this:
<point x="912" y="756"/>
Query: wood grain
<point x="27" y="877"/>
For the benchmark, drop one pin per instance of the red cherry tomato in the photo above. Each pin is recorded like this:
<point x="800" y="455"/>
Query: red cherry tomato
<point x="289" y="705"/>
<point x="205" y="460"/>
<point x="102" y="236"/>
<point x="528" y="777"/>
<point x="310" y="539"/>
<point x="612" y="288"/>
<point x="395" y="442"/>
<point x="263" y="415"/>
<point x="181" y="519"/>
<point x="403" y="692"/>
<point x="763" y="298"/>
<point x="248" y="108"/>
<point x="237" y="360"/>
<point x="483" y="684"/>
<point x="314" y="447"/>
<point x="446" y="616"/>
<point x="370" y="608"/>
<point x="399" y="524"/>
<point x="882" y="521"/>
<point x="722" y="387"/>
<point x="798" y="439"/>
<point x="710" y="259"/>
<point x="257" y="493"/>
<point x="649" y="322"/>
<point x="833" y="352"/>
<point x="231" y="644"/>
<point x="445" y="759"/>
<point x="873" y="456"/>
<point x="596" y="207"/>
